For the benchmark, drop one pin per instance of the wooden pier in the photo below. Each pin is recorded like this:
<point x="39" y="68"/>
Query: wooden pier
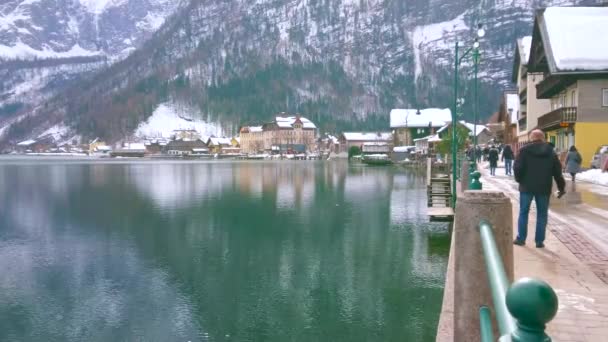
<point x="439" y="196"/>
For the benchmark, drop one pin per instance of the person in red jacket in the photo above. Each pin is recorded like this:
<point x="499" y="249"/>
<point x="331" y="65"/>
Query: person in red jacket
<point x="535" y="168"/>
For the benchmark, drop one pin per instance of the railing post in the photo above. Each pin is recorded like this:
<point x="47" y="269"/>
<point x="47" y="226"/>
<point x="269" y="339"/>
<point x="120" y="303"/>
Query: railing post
<point x="464" y="175"/>
<point x="533" y="303"/>
<point x="475" y="184"/>
<point x="471" y="288"/>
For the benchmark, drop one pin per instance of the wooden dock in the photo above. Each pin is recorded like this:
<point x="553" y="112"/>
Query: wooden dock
<point x="439" y="196"/>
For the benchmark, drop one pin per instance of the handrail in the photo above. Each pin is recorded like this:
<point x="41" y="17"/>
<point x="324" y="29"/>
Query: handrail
<point x="497" y="278"/>
<point x="485" y="324"/>
<point x="524" y="308"/>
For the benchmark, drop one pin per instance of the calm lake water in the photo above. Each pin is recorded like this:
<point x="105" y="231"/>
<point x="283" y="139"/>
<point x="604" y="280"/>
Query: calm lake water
<point x="217" y="251"/>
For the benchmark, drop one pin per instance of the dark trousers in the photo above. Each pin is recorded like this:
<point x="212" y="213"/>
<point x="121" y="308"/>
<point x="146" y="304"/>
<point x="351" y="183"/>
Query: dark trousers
<point x="542" y="215"/>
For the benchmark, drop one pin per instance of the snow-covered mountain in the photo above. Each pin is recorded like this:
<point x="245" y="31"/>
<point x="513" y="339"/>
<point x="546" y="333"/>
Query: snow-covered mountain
<point x="48" y="45"/>
<point x="69" y="28"/>
<point x="340" y="62"/>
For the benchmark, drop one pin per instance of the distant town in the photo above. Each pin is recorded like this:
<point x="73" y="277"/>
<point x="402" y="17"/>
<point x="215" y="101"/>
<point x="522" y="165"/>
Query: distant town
<point x="412" y="132"/>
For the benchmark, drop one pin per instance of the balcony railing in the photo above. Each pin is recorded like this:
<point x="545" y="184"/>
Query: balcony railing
<point x="559" y="117"/>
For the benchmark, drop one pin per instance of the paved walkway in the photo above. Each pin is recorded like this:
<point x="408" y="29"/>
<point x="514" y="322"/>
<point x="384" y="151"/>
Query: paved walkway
<point x="574" y="262"/>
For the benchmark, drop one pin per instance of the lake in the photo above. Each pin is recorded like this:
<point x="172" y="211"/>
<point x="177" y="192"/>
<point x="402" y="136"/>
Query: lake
<point x="217" y="251"/>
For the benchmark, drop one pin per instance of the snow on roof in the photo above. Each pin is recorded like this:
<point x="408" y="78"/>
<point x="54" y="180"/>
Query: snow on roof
<point x="288" y="121"/>
<point x="256" y="129"/>
<point x="403" y="148"/>
<point x="524" y="44"/>
<point x="134" y="146"/>
<point x="219" y="141"/>
<point x="103" y="148"/>
<point x="512" y="101"/>
<point x="574" y="39"/>
<point x="408" y="117"/>
<point x="429" y="138"/>
<point x="363" y="136"/>
<point x="471" y="127"/>
<point x="26" y="143"/>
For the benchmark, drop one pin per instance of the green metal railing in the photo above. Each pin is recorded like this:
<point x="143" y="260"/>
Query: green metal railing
<point x="523" y="309"/>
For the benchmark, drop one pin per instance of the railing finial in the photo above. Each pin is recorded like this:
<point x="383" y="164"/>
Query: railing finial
<point x="533" y="303"/>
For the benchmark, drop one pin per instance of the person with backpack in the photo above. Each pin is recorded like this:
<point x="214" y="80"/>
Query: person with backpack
<point x="507" y="157"/>
<point x="493" y="158"/>
<point x="573" y="162"/>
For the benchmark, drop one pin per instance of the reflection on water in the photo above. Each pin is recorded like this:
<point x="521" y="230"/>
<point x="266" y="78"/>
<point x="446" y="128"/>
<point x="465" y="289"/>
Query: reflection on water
<point x="251" y="251"/>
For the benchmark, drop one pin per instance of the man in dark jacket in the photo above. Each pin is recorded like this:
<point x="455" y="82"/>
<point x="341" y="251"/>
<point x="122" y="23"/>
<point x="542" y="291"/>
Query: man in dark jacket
<point x="507" y="157"/>
<point x="535" y="168"/>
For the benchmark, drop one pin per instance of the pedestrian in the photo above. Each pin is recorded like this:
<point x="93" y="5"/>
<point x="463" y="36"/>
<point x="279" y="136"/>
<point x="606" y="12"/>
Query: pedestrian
<point x="507" y="157"/>
<point x="573" y="162"/>
<point x="535" y="168"/>
<point x="605" y="168"/>
<point x="493" y="158"/>
<point x="478" y="154"/>
<point x="486" y="151"/>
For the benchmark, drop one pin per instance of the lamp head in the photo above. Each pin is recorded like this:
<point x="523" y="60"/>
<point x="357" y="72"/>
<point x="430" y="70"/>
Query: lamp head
<point x="476" y="44"/>
<point x="480" y="31"/>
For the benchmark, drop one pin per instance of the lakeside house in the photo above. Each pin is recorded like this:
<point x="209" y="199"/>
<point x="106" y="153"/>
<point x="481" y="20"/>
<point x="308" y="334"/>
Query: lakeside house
<point x="568" y="48"/>
<point x="531" y="107"/>
<point x="411" y="124"/>
<point x="219" y="145"/>
<point x="359" y="139"/>
<point x="129" y="150"/>
<point x="285" y="134"/>
<point x="185" y="147"/>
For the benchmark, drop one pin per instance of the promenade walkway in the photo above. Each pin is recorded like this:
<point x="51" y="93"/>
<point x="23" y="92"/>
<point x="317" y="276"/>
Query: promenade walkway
<point x="574" y="262"/>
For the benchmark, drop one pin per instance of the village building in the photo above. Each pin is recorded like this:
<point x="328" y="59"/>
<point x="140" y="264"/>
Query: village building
<point x="220" y="145"/>
<point x="531" y="107"/>
<point x="129" y="150"/>
<point x="358" y="139"/>
<point x="286" y="134"/>
<point x="411" y="124"/>
<point x="426" y="145"/>
<point x="503" y="124"/>
<point x="184" y="147"/>
<point x="567" y="49"/>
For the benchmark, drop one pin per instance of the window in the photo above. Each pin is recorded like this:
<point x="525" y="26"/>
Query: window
<point x="573" y="98"/>
<point x="604" y="97"/>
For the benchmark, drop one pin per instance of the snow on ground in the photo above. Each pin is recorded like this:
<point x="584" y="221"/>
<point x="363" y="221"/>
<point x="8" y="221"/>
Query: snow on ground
<point x="595" y="176"/>
<point x="99" y="6"/>
<point x="168" y="117"/>
<point x="574" y="39"/>
<point x="59" y="132"/>
<point x="436" y="33"/>
<point x="24" y="51"/>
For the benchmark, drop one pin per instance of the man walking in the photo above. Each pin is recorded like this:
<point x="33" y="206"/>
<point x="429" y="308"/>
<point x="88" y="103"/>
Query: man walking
<point x="535" y="168"/>
<point x="507" y="157"/>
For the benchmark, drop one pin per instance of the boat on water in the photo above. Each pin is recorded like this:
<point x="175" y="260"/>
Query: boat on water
<point x="376" y="159"/>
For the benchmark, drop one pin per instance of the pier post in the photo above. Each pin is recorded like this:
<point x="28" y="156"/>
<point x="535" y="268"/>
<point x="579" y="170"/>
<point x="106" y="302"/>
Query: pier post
<point x="471" y="288"/>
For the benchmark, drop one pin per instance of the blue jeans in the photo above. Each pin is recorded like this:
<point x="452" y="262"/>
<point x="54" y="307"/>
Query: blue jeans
<point x="509" y="166"/>
<point x="542" y="213"/>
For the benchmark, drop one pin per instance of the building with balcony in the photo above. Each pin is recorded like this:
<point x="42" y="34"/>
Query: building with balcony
<point x="530" y="107"/>
<point x="411" y="124"/>
<point x="286" y="134"/>
<point x="573" y="59"/>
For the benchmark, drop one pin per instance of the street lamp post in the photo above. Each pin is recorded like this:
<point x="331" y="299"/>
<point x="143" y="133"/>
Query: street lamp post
<point x="457" y="61"/>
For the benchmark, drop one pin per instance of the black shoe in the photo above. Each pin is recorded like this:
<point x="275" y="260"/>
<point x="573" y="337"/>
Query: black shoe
<point x="519" y="242"/>
<point x="540" y="245"/>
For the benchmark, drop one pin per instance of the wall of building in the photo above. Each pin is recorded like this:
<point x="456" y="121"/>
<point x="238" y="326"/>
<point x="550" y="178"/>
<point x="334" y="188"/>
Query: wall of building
<point x="590" y="136"/>
<point x="590" y="107"/>
<point x="535" y="107"/>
